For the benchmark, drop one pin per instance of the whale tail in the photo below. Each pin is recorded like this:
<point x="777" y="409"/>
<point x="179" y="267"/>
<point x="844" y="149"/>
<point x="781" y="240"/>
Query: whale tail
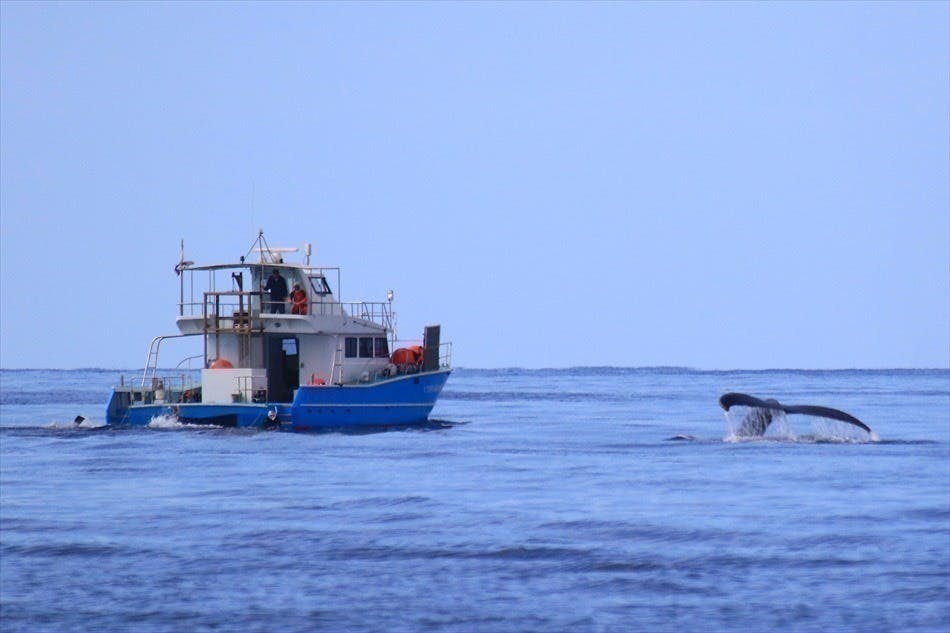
<point x="759" y="418"/>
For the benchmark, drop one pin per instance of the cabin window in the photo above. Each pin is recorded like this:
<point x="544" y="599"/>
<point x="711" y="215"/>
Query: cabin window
<point x="366" y="347"/>
<point x="320" y="286"/>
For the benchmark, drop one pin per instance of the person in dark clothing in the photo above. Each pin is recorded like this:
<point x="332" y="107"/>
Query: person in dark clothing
<point x="277" y="287"/>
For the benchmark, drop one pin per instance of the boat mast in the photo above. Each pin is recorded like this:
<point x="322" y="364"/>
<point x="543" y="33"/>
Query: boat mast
<point x="181" y="282"/>
<point x="179" y="269"/>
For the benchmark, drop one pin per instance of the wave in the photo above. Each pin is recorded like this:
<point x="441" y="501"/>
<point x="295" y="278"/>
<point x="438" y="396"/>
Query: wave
<point x="611" y="370"/>
<point x="804" y="439"/>
<point x="71" y="396"/>
<point x="87" y="370"/>
<point x="95" y="551"/>
<point x="554" y="396"/>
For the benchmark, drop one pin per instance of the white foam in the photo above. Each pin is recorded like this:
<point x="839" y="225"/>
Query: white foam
<point x="171" y="421"/>
<point x="165" y="422"/>
<point x="85" y="424"/>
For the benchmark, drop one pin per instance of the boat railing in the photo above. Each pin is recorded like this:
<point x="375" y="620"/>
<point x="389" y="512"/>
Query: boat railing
<point x="445" y="355"/>
<point x="237" y="309"/>
<point x="227" y="309"/>
<point x="231" y="309"/>
<point x="248" y="391"/>
<point x="445" y="350"/>
<point x="379" y="312"/>
<point x="188" y="360"/>
<point x="327" y="309"/>
<point x="151" y="360"/>
<point x="164" y="388"/>
<point x="224" y="303"/>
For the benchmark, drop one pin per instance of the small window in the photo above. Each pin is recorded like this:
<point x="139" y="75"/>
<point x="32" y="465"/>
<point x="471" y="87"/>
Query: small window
<point x="382" y="350"/>
<point x="320" y="286"/>
<point x="290" y="346"/>
<point x="351" y="347"/>
<point x="366" y="347"/>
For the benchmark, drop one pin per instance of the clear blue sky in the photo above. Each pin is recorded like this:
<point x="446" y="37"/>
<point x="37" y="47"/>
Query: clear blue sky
<point x="712" y="185"/>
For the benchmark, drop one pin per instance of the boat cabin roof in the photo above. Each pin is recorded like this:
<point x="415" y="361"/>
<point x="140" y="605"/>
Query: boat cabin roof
<point x="310" y="270"/>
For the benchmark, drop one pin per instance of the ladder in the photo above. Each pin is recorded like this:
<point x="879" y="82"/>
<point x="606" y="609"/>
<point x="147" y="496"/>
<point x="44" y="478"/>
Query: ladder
<point x="336" y="374"/>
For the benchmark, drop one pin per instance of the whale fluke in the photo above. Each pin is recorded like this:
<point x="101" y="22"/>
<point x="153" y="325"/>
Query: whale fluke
<point x="827" y="412"/>
<point x="728" y="400"/>
<point x="760" y="418"/>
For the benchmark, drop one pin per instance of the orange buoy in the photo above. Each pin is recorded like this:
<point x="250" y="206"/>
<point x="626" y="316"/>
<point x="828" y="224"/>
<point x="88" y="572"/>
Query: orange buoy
<point x="221" y="364"/>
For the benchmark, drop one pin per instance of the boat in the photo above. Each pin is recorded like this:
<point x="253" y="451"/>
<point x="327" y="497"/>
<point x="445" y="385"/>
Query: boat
<point x="303" y="361"/>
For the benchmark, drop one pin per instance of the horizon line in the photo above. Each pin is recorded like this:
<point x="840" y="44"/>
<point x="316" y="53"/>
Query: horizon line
<point x="565" y="368"/>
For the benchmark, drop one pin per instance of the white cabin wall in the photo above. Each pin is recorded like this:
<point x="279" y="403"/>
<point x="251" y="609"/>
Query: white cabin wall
<point x="354" y="368"/>
<point x="224" y="386"/>
<point x="227" y="348"/>
<point x="317" y="354"/>
<point x="257" y="352"/>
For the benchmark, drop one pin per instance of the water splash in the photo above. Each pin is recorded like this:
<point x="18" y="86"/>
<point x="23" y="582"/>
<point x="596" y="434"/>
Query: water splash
<point x="740" y="429"/>
<point x="171" y="421"/>
<point x="835" y="431"/>
<point x="86" y="424"/>
<point x="165" y="422"/>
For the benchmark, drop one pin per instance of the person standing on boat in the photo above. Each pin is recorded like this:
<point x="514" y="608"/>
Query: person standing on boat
<point x="298" y="300"/>
<point x="277" y="287"/>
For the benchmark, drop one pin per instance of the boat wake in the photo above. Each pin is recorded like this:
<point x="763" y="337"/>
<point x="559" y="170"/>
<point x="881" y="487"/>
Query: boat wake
<point x="172" y="423"/>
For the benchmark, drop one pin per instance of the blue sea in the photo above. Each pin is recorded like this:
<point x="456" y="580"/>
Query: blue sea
<point x="537" y="500"/>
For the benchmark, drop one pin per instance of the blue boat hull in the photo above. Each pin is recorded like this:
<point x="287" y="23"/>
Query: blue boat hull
<point x="403" y="400"/>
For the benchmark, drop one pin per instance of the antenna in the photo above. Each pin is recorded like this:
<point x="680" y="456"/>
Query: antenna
<point x="260" y="243"/>
<point x="252" y="202"/>
<point x="182" y="264"/>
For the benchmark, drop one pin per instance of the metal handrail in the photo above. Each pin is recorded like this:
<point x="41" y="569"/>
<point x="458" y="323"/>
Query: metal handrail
<point x="231" y="303"/>
<point x="185" y="360"/>
<point x="379" y="312"/>
<point x="151" y="360"/>
<point x="445" y="355"/>
<point x="165" y="388"/>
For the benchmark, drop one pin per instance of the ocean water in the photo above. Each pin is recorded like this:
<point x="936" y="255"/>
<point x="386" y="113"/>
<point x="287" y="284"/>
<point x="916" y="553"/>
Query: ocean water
<point x="549" y="500"/>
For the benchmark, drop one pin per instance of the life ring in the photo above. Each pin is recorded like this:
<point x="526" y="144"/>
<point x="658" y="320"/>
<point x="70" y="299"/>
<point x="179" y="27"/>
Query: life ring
<point x="317" y="380"/>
